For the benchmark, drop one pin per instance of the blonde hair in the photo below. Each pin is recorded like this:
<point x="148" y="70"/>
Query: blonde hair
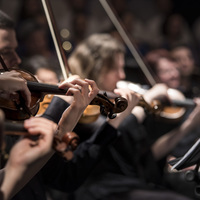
<point x="95" y="56"/>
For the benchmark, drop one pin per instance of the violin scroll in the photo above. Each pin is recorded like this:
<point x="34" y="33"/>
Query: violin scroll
<point x="66" y="145"/>
<point x="13" y="111"/>
<point x="108" y="107"/>
<point x="63" y="146"/>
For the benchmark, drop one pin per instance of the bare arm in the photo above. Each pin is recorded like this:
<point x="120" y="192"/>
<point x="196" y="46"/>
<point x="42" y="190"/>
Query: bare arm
<point x="158" y="91"/>
<point x="168" y="141"/>
<point x="82" y="96"/>
<point x="27" y="156"/>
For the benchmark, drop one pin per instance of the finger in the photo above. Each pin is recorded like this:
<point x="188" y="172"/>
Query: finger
<point x="14" y="73"/>
<point x="197" y="101"/>
<point x="83" y="84"/>
<point x="38" y="121"/>
<point x="74" y="92"/>
<point x="46" y="131"/>
<point x="94" y="88"/>
<point x="65" y="85"/>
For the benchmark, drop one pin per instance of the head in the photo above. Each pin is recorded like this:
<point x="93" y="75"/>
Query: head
<point x="45" y="70"/>
<point x="8" y="42"/>
<point x="183" y="55"/>
<point x="34" y="38"/>
<point x="101" y="58"/>
<point x="165" y="68"/>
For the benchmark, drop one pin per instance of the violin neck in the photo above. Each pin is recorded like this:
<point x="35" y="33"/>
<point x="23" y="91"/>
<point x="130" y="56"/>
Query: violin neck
<point x="45" y="88"/>
<point x="12" y="128"/>
<point x="109" y="95"/>
<point x="183" y="103"/>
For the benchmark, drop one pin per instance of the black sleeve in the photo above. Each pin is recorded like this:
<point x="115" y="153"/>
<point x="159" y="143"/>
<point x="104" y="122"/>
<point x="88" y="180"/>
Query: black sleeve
<point x="68" y="176"/>
<point x="55" y="109"/>
<point x="129" y="124"/>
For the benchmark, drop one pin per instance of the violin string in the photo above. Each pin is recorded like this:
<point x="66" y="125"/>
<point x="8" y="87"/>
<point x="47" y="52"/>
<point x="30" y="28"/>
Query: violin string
<point x="127" y="41"/>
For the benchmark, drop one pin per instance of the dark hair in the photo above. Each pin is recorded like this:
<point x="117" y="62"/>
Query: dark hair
<point x="5" y="21"/>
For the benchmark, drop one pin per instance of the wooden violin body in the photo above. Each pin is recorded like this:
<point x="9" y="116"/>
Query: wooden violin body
<point x="14" y="111"/>
<point x="171" y="110"/>
<point x="38" y="90"/>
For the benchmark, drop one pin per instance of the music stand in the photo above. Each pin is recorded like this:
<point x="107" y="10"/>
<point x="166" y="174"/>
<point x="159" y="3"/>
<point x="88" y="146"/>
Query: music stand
<point x="192" y="157"/>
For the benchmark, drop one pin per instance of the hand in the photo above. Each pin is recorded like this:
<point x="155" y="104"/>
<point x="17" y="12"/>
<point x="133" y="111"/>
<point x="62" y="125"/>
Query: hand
<point x="83" y="91"/>
<point x="157" y="92"/>
<point x="132" y="98"/>
<point x="10" y="83"/>
<point x="27" y="157"/>
<point x="27" y="151"/>
<point x="193" y="118"/>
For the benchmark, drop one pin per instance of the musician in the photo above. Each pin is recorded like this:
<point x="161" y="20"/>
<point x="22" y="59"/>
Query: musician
<point x="88" y="152"/>
<point x="189" y="70"/>
<point x="25" y="159"/>
<point x="8" y="42"/>
<point x="12" y="82"/>
<point x="92" y="151"/>
<point x="168" y="70"/>
<point x="128" y="168"/>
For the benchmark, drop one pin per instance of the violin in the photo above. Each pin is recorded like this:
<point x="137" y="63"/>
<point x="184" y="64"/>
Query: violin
<point x="175" y="108"/>
<point x="64" y="145"/>
<point x="171" y="110"/>
<point x="91" y="113"/>
<point x="38" y="90"/>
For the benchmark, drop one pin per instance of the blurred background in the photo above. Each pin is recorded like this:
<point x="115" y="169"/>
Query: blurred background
<point x="150" y="24"/>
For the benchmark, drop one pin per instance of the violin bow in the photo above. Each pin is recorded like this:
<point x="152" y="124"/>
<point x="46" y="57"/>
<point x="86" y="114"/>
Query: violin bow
<point x="56" y="39"/>
<point x="63" y="60"/>
<point x="122" y="32"/>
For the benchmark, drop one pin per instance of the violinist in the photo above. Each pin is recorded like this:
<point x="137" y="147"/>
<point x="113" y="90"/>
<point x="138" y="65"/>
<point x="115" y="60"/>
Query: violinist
<point x="25" y="159"/>
<point x="127" y="165"/>
<point x="189" y="70"/>
<point x="91" y="149"/>
<point x="10" y="83"/>
<point x="60" y="175"/>
<point x="167" y="69"/>
<point x="8" y="42"/>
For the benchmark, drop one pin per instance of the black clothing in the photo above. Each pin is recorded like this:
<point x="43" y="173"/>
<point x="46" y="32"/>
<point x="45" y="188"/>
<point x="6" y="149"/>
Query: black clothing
<point x="101" y="172"/>
<point x="127" y="165"/>
<point x="62" y="175"/>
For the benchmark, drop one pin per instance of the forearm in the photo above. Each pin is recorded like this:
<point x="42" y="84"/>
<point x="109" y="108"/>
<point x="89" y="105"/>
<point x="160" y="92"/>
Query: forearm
<point x="167" y="142"/>
<point x="16" y="176"/>
<point x="69" y="119"/>
<point x="139" y="114"/>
